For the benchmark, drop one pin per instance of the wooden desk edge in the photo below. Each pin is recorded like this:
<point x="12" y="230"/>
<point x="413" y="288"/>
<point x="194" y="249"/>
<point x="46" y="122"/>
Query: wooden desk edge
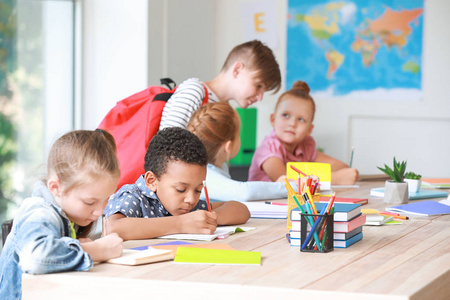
<point x="41" y="286"/>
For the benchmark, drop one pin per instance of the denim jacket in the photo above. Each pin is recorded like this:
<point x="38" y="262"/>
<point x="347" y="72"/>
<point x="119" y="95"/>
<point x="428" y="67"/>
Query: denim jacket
<point x="39" y="243"/>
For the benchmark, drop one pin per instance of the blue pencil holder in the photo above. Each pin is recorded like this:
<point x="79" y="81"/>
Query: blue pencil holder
<point x="323" y="233"/>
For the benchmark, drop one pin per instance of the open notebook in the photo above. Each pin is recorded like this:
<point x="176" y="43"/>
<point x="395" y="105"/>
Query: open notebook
<point x="220" y="233"/>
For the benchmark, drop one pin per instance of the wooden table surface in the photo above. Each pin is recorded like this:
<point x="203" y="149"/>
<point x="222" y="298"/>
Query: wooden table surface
<point x="409" y="261"/>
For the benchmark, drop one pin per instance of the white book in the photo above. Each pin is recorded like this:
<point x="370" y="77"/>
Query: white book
<point x="139" y="257"/>
<point x="221" y="232"/>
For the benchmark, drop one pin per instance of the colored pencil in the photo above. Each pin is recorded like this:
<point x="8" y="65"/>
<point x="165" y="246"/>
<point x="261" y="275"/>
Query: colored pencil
<point x="297" y="170"/>
<point x="206" y="195"/>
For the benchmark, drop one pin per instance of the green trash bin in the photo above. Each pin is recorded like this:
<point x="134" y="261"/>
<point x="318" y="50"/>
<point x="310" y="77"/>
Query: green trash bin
<point x="248" y="137"/>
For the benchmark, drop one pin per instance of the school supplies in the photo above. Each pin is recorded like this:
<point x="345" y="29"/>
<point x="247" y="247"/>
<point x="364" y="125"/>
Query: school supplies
<point x="436" y="183"/>
<point x="174" y="247"/>
<point x="321" y="170"/>
<point x="347" y="243"/>
<point x="342" y="211"/>
<point x="294" y="234"/>
<point x="422" y="208"/>
<point x="266" y="211"/>
<point x="422" y="194"/>
<point x="206" y="195"/>
<point x="220" y="233"/>
<point x="275" y="203"/>
<point x="361" y="201"/>
<point x="378" y="217"/>
<point x="351" y="157"/>
<point x="377" y="220"/>
<point x="340" y="226"/>
<point x="138" y="257"/>
<point x="187" y="255"/>
<point x="104" y="225"/>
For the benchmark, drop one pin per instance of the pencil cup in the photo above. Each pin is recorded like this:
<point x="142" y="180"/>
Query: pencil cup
<point x="316" y="233"/>
<point x="291" y="206"/>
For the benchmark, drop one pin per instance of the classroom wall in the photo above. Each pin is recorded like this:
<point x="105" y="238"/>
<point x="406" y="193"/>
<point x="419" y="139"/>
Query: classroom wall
<point x="191" y="38"/>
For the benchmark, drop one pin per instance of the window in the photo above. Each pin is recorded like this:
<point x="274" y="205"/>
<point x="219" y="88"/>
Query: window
<point x="36" y="91"/>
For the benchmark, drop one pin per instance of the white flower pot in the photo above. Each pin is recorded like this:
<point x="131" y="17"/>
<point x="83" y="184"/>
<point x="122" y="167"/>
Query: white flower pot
<point x="413" y="185"/>
<point x="396" y="192"/>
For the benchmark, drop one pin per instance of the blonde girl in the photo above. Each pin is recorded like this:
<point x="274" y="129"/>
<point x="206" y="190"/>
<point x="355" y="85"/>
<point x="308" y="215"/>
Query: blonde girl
<point x="49" y="233"/>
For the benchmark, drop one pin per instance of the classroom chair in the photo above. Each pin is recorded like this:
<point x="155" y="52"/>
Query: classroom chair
<point x="6" y="228"/>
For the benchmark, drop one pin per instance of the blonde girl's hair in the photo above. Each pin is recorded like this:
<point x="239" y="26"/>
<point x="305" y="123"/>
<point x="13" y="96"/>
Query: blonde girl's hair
<point x="81" y="155"/>
<point x="300" y="89"/>
<point x="215" y="124"/>
<point x="260" y="58"/>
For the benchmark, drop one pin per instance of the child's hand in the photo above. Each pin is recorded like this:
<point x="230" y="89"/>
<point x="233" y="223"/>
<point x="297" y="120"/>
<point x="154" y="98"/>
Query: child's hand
<point x="107" y="247"/>
<point x="199" y="221"/>
<point x="112" y="245"/>
<point x="345" y="176"/>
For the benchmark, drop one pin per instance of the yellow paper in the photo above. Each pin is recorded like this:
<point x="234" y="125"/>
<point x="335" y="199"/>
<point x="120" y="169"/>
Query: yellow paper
<point x="216" y="256"/>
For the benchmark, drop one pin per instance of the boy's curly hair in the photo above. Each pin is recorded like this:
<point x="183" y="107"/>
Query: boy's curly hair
<point x="174" y="144"/>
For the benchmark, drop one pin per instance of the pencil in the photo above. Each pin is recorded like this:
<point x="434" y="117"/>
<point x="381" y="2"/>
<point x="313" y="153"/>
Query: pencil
<point x="351" y="157"/>
<point x="206" y="195"/>
<point x="104" y="229"/>
<point x="395" y="217"/>
<point x="297" y="170"/>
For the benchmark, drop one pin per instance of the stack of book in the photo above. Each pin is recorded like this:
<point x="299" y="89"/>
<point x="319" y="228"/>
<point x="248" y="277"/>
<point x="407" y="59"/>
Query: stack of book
<point x="348" y="222"/>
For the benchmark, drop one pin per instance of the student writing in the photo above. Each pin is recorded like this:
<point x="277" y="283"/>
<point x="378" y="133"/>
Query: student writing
<point x="83" y="172"/>
<point x="291" y="140"/>
<point x="165" y="200"/>
<point x="217" y="126"/>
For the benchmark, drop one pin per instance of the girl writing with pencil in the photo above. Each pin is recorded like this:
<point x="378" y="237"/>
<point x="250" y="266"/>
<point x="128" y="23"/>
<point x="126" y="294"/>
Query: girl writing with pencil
<point x="291" y="140"/>
<point x="49" y="233"/>
<point x="217" y="126"/>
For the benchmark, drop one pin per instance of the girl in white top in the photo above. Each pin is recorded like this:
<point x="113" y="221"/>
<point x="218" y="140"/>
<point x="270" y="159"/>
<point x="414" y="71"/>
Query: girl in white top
<point x="217" y="126"/>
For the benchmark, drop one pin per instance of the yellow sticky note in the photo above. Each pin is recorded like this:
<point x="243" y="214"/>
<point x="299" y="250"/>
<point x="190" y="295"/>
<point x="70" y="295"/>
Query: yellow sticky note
<point x="216" y="256"/>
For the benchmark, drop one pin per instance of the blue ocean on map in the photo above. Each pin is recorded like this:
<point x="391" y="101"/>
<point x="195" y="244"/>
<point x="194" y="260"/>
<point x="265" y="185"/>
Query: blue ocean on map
<point x="356" y="49"/>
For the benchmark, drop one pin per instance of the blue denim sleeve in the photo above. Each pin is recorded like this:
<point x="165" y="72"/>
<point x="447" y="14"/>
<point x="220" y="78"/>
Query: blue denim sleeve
<point x="42" y="248"/>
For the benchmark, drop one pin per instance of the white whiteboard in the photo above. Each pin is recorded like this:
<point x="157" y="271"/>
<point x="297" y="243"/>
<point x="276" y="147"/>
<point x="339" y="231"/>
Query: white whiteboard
<point x="423" y="142"/>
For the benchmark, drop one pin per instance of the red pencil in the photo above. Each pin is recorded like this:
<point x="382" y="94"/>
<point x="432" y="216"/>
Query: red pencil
<point x="206" y="195"/>
<point x="297" y="170"/>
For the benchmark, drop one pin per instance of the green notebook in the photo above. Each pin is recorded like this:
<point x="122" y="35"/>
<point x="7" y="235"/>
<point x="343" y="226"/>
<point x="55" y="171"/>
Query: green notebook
<point x="189" y="255"/>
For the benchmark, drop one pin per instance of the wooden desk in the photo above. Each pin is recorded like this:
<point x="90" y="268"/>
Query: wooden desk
<point x="409" y="261"/>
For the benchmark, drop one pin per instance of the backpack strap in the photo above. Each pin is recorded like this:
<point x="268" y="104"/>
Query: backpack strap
<point x="168" y="82"/>
<point x="206" y="99"/>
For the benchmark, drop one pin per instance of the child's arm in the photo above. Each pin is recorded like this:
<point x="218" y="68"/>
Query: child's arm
<point x="104" y="248"/>
<point x="40" y="246"/>
<point x="129" y="228"/>
<point x="231" y="212"/>
<point x="240" y="190"/>
<point x="274" y="168"/>
<point x="340" y="172"/>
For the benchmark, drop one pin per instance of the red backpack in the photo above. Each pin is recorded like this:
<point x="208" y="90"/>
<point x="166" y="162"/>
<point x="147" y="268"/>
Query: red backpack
<point x="133" y="122"/>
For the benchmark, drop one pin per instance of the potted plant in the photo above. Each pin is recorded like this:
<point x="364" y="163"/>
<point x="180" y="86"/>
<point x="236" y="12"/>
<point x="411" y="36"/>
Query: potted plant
<point x="395" y="190"/>
<point x="414" y="182"/>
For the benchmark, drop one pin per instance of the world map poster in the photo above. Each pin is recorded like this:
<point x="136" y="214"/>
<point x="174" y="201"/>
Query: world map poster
<point x="360" y="49"/>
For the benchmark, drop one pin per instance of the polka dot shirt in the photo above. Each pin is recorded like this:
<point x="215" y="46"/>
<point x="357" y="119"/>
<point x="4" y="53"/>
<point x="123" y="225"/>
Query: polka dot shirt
<point x="137" y="201"/>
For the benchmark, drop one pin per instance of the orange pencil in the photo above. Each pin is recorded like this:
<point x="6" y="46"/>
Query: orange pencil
<point x="206" y="195"/>
<point x="395" y="217"/>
